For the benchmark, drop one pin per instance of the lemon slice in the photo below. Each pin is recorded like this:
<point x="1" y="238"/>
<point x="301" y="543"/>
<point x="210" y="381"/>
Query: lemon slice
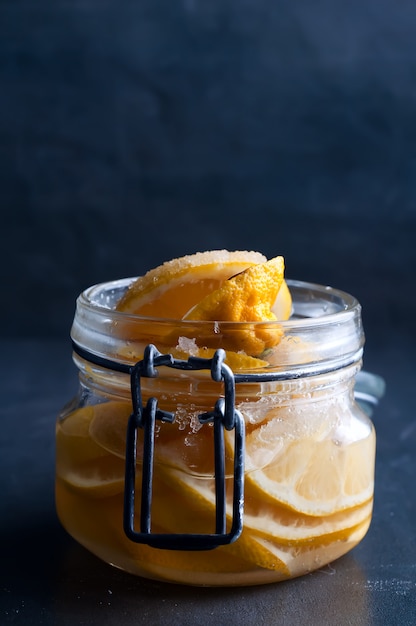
<point x="214" y="286"/>
<point x="282" y="307"/>
<point x="172" y="288"/>
<point x="309" y="557"/>
<point x="311" y="472"/>
<point x="74" y="448"/>
<point x="82" y="462"/>
<point x="101" y="478"/>
<point x="261" y="520"/>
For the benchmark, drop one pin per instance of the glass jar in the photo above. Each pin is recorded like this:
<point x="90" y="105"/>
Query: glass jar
<point x="177" y="465"/>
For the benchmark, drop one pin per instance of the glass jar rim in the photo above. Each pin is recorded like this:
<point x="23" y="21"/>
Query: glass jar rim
<point x="337" y="306"/>
<point x="324" y="332"/>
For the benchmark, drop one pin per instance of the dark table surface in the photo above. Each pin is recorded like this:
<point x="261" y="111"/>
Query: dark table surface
<point x="48" y="579"/>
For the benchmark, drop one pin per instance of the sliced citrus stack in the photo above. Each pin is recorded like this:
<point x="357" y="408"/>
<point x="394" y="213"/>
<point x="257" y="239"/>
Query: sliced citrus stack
<point x="74" y="446"/>
<point x="309" y="557"/>
<point x="268" y="520"/>
<point x="271" y="537"/>
<point x="215" y="567"/>
<point x="84" y="464"/>
<point x="184" y="498"/>
<point x="298" y="461"/>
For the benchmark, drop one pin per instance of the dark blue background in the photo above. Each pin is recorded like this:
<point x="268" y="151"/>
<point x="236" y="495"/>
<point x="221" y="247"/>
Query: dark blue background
<point x="135" y="131"/>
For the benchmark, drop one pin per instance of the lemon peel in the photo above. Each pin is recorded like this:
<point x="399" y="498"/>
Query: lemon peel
<point x="247" y="297"/>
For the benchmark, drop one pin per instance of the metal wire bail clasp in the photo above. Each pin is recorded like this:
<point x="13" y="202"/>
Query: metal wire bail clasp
<point x="224" y="416"/>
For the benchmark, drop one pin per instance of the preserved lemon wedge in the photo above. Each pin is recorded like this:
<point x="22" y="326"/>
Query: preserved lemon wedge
<point x="247" y="297"/>
<point x="214" y="286"/>
<point x="271" y="522"/>
<point x="171" y="289"/>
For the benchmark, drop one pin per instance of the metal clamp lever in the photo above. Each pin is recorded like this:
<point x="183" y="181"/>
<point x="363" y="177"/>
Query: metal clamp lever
<point x="224" y="415"/>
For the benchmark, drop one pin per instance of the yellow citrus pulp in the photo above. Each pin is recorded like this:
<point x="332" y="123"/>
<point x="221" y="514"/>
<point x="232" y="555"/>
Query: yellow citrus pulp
<point x="308" y="489"/>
